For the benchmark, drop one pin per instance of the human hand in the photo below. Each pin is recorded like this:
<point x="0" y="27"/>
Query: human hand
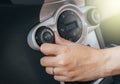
<point x="69" y="61"/>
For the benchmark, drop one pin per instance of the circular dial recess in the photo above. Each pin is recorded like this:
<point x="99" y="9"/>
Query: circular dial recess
<point x="69" y="25"/>
<point x="44" y="35"/>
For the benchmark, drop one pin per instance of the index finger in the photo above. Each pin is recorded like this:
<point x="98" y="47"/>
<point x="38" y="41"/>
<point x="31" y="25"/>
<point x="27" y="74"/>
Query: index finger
<point x="50" y="49"/>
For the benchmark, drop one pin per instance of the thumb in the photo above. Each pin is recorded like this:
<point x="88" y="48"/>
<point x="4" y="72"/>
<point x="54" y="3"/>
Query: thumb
<point x="60" y="40"/>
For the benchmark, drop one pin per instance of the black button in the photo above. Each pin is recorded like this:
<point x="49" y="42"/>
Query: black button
<point x="47" y="36"/>
<point x="44" y="35"/>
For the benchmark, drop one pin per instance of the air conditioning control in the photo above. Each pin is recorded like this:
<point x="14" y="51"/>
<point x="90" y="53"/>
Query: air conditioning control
<point x="69" y="25"/>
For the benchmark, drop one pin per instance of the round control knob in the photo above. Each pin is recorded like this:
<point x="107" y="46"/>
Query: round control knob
<point x="69" y="25"/>
<point x="44" y="35"/>
<point x="93" y="16"/>
<point x="40" y="35"/>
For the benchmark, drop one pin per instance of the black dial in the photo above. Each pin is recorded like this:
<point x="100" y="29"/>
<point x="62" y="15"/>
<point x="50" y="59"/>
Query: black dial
<point x="44" y="35"/>
<point x="69" y="25"/>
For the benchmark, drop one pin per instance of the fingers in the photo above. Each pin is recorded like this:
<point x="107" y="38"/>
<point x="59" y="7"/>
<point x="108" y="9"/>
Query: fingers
<point x="56" y="72"/>
<point x="60" y="40"/>
<point x="50" y="49"/>
<point x="49" y="61"/>
<point x="54" y="54"/>
<point x="50" y="70"/>
<point x="54" y="49"/>
<point x="63" y="78"/>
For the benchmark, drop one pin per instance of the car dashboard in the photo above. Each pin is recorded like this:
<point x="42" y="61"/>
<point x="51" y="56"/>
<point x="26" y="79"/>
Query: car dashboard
<point x="19" y="59"/>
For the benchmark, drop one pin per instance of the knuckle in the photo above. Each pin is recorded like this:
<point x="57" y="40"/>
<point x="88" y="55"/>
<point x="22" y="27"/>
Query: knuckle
<point x="65" y="49"/>
<point x="70" y="75"/>
<point x="56" y="72"/>
<point x="63" y="62"/>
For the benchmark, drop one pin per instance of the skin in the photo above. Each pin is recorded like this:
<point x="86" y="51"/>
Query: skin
<point x="76" y="62"/>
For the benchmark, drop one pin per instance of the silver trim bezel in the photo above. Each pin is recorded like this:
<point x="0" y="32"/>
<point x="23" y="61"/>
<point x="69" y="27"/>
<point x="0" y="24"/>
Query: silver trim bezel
<point x="52" y="24"/>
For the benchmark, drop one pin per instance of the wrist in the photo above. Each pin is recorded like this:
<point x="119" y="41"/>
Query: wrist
<point x="107" y="69"/>
<point x="111" y="65"/>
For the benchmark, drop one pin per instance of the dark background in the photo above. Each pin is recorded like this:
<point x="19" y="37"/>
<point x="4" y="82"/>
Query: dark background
<point x="22" y="2"/>
<point x="5" y="2"/>
<point x="19" y="64"/>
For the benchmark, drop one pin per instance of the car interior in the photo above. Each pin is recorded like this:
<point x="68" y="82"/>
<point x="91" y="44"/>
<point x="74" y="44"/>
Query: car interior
<point x="76" y="20"/>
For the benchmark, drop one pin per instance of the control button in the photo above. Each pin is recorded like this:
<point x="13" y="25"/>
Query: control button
<point x="44" y="35"/>
<point x="93" y="16"/>
<point x="69" y="25"/>
<point x="47" y="37"/>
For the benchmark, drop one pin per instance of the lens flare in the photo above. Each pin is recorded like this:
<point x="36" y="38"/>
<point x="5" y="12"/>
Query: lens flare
<point x="108" y="8"/>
